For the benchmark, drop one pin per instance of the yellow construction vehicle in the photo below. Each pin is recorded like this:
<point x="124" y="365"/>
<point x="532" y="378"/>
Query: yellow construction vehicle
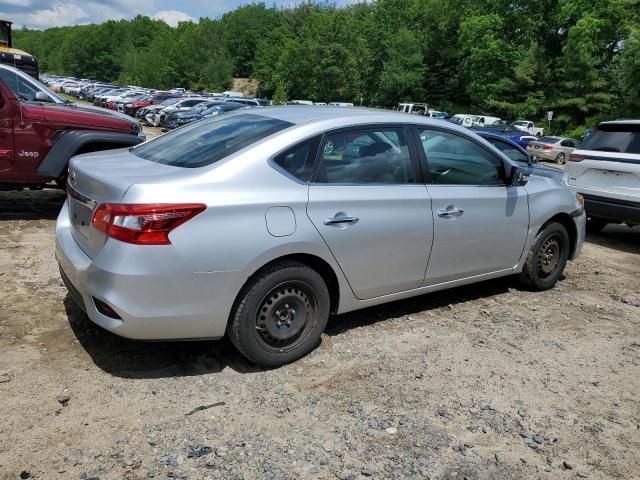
<point x="14" y="57"/>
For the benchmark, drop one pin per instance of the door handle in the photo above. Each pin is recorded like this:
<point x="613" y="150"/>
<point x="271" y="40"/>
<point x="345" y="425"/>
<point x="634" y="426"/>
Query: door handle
<point x="450" y="212"/>
<point x="340" y="220"/>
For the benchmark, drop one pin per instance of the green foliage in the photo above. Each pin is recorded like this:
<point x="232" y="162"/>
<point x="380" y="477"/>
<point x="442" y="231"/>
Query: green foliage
<point x="508" y="58"/>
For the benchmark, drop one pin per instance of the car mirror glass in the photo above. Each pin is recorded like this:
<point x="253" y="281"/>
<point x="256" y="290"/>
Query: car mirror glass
<point x="519" y="177"/>
<point x="42" y="97"/>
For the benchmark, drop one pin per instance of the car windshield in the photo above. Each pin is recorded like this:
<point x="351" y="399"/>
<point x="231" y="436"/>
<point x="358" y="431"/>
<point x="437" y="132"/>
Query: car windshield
<point x="614" y="138"/>
<point x="171" y="101"/>
<point x="549" y="140"/>
<point x="26" y="88"/>
<point x="208" y="141"/>
<point x="519" y="124"/>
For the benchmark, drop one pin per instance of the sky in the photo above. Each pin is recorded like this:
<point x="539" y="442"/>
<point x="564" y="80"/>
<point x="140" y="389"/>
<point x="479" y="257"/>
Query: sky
<point x="56" y="13"/>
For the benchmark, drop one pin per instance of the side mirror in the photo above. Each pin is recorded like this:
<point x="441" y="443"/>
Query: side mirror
<point x="42" y="97"/>
<point x="519" y="178"/>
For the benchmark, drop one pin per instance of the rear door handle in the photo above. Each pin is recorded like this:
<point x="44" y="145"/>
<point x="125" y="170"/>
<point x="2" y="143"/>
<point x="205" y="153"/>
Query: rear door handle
<point x="340" y="220"/>
<point x="450" y="212"/>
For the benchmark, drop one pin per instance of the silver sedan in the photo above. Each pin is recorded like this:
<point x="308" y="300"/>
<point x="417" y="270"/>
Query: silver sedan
<point x="555" y="149"/>
<point x="259" y="225"/>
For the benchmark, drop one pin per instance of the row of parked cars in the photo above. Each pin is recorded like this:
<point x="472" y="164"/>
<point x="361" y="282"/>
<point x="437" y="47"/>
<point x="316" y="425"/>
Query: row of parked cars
<point x="168" y="109"/>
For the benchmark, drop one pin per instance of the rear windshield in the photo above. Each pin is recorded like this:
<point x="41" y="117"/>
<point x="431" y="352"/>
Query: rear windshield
<point x="549" y="140"/>
<point x="614" y="138"/>
<point x="205" y="142"/>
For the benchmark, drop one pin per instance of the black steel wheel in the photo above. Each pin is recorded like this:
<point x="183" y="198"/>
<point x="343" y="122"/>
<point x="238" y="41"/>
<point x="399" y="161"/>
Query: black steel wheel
<point x="549" y="255"/>
<point x="286" y="315"/>
<point x="546" y="258"/>
<point x="280" y="314"/>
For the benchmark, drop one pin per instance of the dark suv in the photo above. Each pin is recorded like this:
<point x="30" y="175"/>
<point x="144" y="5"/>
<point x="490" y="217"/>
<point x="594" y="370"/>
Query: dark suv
<point x="40" y="132"/>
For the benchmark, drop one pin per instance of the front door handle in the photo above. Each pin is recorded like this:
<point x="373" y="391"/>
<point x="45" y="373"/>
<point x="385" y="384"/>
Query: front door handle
<point x="340" y="219"/>
<point x="450" y="212"/>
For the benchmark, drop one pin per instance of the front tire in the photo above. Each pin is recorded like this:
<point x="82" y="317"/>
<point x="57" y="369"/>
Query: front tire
<point x="280" y="314"/>
<point x="561" y="159"/>
<point x="547" y="258"/>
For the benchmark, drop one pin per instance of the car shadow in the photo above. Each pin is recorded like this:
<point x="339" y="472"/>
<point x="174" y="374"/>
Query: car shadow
<point x="31" y="204"/>
<point x="138" y="359"/>
<point x="618" y="237"/>
<point x="429" y="301"/>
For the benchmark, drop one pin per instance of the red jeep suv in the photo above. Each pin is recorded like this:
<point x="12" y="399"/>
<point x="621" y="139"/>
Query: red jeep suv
<point x="40" y="132"/>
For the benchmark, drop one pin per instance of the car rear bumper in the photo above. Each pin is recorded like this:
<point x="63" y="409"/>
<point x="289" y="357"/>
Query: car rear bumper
<point x="543" y="155"/>
<point x="153" y="292"/>
<point x="612" y="209"/>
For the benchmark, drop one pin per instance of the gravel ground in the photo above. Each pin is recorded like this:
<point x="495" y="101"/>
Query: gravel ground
<point x="480" y="382"/>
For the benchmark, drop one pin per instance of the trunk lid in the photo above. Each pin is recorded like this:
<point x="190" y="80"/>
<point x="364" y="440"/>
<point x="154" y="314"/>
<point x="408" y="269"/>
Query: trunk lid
<point x="104" y="177"/>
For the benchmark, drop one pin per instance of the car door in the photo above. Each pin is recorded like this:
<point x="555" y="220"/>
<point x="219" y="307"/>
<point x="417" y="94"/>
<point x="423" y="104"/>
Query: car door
<point x="6" y="131"/>
<point x="372" y="211"/>
<point x="480" y="222"/>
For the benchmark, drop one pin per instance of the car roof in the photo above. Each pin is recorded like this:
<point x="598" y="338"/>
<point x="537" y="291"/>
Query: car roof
<point x="298" y="114"/>
<point x="630" y="121"/>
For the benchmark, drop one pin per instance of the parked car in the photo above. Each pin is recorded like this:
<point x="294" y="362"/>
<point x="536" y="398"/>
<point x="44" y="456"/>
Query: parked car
<point x="413" y="108"/>
<point x="529" y="127"/>
<point x="518" y="154"/>
<point x="183" y="116"/>
<point x="153" y="108"/>
<point x="41" y="131"/>
<point x="155" y="99"/>
<point x="119" y="105"/>
<point x="606" y="170"/>
<point x="257" y="102"/>
<point x="462" y="119"/>
<point x="507" y="131"/>
<point x="257" y="224"/>
<point x="554" y="149"/>
<point x="157" y="117"/>
<point x="437" y="114"/>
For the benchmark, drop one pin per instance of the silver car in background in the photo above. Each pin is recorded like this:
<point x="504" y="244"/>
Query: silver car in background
<point x="259" y="224"/>
<point x="553" y="149"/>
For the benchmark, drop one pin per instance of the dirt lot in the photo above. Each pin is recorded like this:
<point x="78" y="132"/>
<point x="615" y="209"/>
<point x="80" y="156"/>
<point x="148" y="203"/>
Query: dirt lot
<point x="482" y="382"/>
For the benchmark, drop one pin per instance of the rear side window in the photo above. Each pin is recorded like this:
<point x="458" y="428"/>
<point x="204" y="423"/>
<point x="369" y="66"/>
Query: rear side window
<point x="614" y="138"/>
<point x="205" y="142"/>
<point x="298" y="161"/>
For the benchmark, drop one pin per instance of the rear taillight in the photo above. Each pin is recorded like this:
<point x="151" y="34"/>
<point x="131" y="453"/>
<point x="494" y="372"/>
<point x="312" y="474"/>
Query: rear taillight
<point x="143" y="224"/>
<point x="547" y="147"/>
<point x="576" y="158"/>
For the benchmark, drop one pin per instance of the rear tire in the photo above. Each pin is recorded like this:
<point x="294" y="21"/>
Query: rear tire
<point x="546" y="259"/>
<point x="595" y="224"/>
<point x="280" y="314"/>
<point x="560" y="159"/>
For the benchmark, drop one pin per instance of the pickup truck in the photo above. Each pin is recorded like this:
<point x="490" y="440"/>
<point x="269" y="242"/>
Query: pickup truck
<point x="40" y="132"/>
<point x="529" y="127"/>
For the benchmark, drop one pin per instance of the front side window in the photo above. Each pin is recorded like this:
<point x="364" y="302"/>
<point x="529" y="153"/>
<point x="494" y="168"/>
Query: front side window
<point x="367" y="156"/>
<point x="455" y="160"/>
<point x="26" y="89"/>
<point x="509" y="150"/>
<point x="205" y="142"/>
